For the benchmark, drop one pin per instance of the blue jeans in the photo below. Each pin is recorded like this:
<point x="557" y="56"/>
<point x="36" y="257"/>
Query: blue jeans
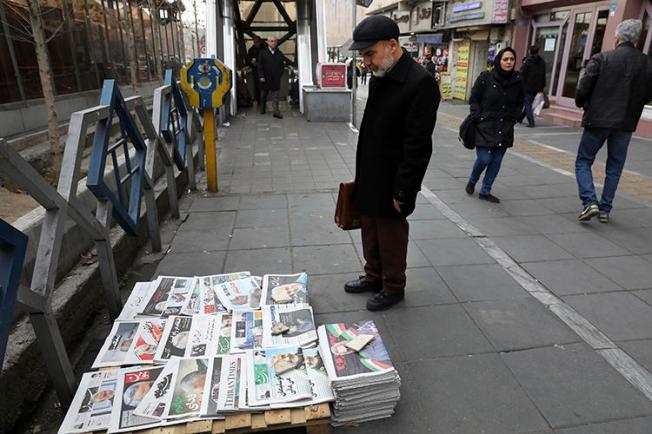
<point x="591" y="142"/>
<point x="490" y="159"/>
<point x="528" y="100"/>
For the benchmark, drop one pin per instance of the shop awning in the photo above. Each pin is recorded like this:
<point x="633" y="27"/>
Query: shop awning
<point x="436" y="38"/>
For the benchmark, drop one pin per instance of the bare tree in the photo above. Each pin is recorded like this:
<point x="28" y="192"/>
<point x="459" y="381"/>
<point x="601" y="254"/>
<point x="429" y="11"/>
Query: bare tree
<point x="131" y="44"/>
<point x="155" y="18"/>
<point x="28" y="27"/>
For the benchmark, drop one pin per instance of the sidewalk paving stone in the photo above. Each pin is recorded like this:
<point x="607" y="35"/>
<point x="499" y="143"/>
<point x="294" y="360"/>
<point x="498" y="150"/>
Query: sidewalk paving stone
<point x="531" y="248"/>
<point x="639" y="350"/>
<point x="260" y="261"/>
<point x="630" y="272"/>
<point x="260" y="218"/>
<point x="425" y="287"/>
<point x="453" y="251"/>
<point x="570" y="276"/>
<point x="645" y="295"/>
<point x="640" y="425"/>
<point x="480" y="282"/>
<point x="191" y="264"/>
<point x="586" y="245"/>
<point x="260" y="237"/>
<point x="331" y="259"/>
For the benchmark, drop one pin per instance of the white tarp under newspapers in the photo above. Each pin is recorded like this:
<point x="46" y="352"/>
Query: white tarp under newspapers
<point x="90" y="409"/>
<point x="242" y="294"/>
<point x="299" y="321"/>
<point x="292" y="287"/>
<point x="131" y="343"/>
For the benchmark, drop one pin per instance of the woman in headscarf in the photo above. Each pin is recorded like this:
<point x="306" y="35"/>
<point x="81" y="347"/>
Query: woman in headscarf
<point x="496" y="102"/>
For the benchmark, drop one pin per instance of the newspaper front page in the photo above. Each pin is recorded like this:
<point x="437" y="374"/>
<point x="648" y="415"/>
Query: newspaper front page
<point x="246" y="330"/>
<point x="155" y="402"/>
<point x="224" y="334"/>
<point x="133" y="384"/>
<point x="299" y="320"/>
<point x="90" y="409"/>
<point x="204" y="336"/>
<point x="266" y="387"/>
<point x="158" y="297"/>
<point x="137" y="300"/>
<point x="285" y="286"/>
<point x="188" y="389"/>
<point x="210" y="302"/>
<point x="241" y="294"/>
<point x="179" y="293"/>
<point x="175" y="338"/>
<point x="131" y="343"/>
<point x="192" y="304"/>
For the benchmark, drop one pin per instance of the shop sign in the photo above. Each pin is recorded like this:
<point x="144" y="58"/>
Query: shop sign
<point x="461" y="70"/>
<point x="398" y="19"/>
<point x="408" y="43"/>
<point x="500" y="12"/>
<point x="333" y="76"/>
<point x="463" y="17"/>
<point x="424" y="13"/>
<point x="445" y="86"/>
<point x="467" y="7"/>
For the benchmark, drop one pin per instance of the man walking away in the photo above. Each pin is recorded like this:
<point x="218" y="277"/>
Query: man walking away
<point x="430" y="66"/>
<point x="252" y="59"/>
<point x="615" y="87"/>
<point x="533" y="74"/>
<point x="394" y="148"/>
<point x="270" y="69"/>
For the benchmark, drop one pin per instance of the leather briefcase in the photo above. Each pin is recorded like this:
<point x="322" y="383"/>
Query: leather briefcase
<point x="347" y="216"/>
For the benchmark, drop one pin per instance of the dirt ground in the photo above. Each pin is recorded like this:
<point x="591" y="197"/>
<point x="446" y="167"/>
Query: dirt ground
<point x="14" y="205"/>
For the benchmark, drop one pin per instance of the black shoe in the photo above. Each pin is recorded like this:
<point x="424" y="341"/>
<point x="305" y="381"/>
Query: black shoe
<point x="489" y="198"/>
<point x="470" y="187"/>
<point x="384" y="300"/>
<point x="362" y="284"/>
<point x="588" y="213"/>
<point x="278" y="116"/>
<point x="603" y="217"/>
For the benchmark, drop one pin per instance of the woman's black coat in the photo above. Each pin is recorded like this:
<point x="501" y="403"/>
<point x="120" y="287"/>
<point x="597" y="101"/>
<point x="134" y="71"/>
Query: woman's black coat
<point x="496" y="103"/>
<point x="395" y="140"/>
<point x="270" y="67"/>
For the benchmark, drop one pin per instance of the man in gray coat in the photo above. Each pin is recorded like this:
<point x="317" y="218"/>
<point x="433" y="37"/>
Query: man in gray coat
<point x="615" y="87"/>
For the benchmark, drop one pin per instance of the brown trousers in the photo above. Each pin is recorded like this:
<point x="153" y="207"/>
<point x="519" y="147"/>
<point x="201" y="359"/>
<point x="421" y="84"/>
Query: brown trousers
<point x="384" y="246"/>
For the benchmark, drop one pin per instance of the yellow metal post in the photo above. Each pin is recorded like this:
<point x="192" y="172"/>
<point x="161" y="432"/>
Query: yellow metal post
<point x="211" y="152"/>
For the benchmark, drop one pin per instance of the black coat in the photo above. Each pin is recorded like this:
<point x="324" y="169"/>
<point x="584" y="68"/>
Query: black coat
<point x="533" y="73"/>
<point x="496" y="103"/>
<point x="270" y="67"/>
<point x="614" y="88"/>
<point x="395" y="140"/>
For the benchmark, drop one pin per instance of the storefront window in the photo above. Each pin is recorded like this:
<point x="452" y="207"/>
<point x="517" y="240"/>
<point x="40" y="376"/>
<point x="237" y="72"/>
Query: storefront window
<point x="600" y="27"/>
<point x="578" y="43"/>
<point x="546" y="40"/>
<point x="559" y="15"/>
<point x="645" y="31"/>
<point x="562" y="42"/>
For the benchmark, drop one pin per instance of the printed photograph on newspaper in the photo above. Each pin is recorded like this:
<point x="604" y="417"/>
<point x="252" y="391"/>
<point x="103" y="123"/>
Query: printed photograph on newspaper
<point x="90" y="409"/>
<point x="118" y="344"/>
<point x="175" y="338"/>
<point x="146" y="342"/>
<point x="241" y="294"/>
<point x="191" y="306"/>
<point x="204" y="336"/>
<point x="179" y="293"/>
<point x="158" y="297"/>
<point x="188" y="388"/>
<point x="208" y="284"/>
<point x="321" y="384"/>
<point x="133" y="385"/>
<point x="276" y="375"/>
<point x="137" y="300"/>
<point x="285" y="289"/>
<point x="247" y="330"/>
<point x="224" y="338"/>
<point x="155" y="402"/>
<point x="297" y="321"/>
<point x="342" y="362"/>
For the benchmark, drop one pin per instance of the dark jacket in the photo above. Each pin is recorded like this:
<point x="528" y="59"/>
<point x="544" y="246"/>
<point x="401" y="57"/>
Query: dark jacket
<point x="533" y="73"/>
<point x="431" y="68"/>
<point x="395" y="140"/>
<point x="270" y="67"/>
<point x="614" y="88"/>
<point x="252" y="54"/>
<point x="496" y="103"/>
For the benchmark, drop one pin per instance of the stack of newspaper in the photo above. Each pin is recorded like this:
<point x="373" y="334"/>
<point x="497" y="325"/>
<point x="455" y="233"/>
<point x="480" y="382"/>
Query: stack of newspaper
<point x="365" y="384"/>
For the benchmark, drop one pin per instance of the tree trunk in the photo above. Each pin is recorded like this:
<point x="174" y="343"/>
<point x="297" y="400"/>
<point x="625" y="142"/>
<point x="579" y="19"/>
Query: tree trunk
<point x="158" y="49"/>
<point x="131" y="45"/>
<point x="47" y="85"/>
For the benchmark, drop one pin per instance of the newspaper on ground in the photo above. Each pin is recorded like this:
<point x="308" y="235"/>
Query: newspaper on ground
<point x="175" y="338"/>
<point x="267" y="386"/>
<point x="241" y="294"/>
<point x="155" y="402"/>
<point x="246" y="330"/>
<point x="285" y="289"/>
<point x="131" y="343"/>
<point x="162" y="290"/>
<point x="132" y="386"/>
<point x="222" y="387"/>
<point x="192" y="305"/>
<point x="299" y="321"/>
<point x="137" y="300"/>
<point x="90" y="409"/>
<point x="224" y="334"/>
<point x="180" y="292"/>
<point x="204" y="336"/>
<point x="188" y="389"/>
<point x="365" y="383"/>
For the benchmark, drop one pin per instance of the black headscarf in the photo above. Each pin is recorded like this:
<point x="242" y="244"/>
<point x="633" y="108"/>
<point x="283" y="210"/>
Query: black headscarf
<point x="499" y="72"/>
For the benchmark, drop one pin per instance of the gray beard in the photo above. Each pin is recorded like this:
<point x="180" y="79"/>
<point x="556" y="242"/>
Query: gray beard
<point x="385" y="66"/>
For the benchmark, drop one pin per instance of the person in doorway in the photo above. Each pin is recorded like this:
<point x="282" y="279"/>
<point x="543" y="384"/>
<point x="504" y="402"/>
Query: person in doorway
<point x="533" y="74"/>
<point x="270" y="69"/>
<point x="496" y="103"/>
<point x="430" y="66"/>
<point x="394" y="148"/>
<point x="613" y="90"/>
<point x="252" y="61"/>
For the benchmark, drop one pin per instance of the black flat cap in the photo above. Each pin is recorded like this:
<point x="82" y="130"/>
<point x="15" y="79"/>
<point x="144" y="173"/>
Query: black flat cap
<point x="373" y="29"/>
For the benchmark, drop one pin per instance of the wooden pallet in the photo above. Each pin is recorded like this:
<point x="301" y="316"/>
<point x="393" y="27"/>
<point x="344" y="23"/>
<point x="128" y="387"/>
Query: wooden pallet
<point x="315" y="418"/>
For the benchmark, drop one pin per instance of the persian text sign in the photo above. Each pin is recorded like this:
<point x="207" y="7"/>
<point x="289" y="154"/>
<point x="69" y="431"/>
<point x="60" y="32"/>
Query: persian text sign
<point x="500" y="12"/>
<point x="333" y="76"/>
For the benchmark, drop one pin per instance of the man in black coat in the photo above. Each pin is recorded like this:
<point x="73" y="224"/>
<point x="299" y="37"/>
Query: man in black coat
<point x="615" y="87"/>
<point x="533" y="74"/>
<point x="252" y="61"/>
<point x="270" y="69"/>
<point x="394" y="148"/>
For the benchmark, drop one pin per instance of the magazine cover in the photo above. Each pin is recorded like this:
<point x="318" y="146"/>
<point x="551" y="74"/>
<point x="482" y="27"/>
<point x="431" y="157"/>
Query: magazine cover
<point x="175" y="338"/>
<point x="188" y="390"/>
<point x="179" y="293"/>
<point x="342" y="362"/>
<point x="191" y="307"/>
<point x="266" y="387"/>
<point x="133" y="384"/>
<point x="136" y="301"/>
<point x="247" y="330"/>
<point x="204" y="336"/>
<point x="285" y="289"/>
<point x="90" y="409"/>
<point x="224" y="338"/>
<point x="242" y="294"/>
<point x="297" y="318"/>
<point x="155" y="402"/>
<point x="117" y="345"/>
